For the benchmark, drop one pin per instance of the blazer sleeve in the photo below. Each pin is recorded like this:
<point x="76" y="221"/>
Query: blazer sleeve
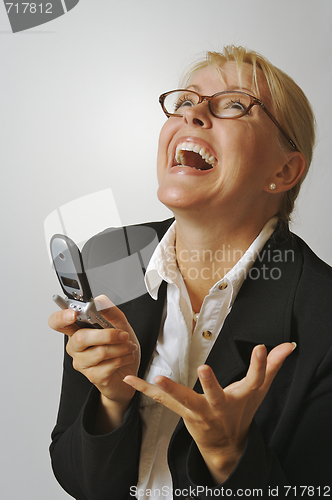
<point x="87" y="466"/>
<point x="91" y="466"/>
<point x="294" y="459"/>
<point x="257" y="470"/>
<point x="303" y="467"/>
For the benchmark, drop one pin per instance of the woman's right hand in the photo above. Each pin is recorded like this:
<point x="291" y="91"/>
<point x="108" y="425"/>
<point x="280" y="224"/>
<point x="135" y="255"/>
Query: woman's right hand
<point x="104" y="356"/>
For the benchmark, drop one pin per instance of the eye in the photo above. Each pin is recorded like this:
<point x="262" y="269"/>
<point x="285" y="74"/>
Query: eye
<point x="231" y="105"/>
<point x="183" y="101"/>
<point x="235" y="104"/>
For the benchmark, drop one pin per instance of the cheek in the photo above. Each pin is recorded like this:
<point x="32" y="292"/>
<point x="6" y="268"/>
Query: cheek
<point x="166" y="134"/>
<point x="246" y="156"/>
<point x="251" y="144"/>
<point x="161" y="156"/>
<point x="162" y="143"/>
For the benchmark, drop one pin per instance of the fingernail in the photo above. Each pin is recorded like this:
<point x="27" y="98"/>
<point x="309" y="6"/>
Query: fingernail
<point x="68" y="315"/>
<point x="129" y="382"/>
<point x="102" y="302"/>
<point x="205" y="373"/>
<point x="123" y="336"/>
<point x="260" y="353"/>
<point x="294" y="345"/>
<point x="159" y="381"/>
<point x="134" y="347"/>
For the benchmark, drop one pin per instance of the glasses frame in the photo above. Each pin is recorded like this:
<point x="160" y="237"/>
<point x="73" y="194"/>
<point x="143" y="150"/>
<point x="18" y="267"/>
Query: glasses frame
<point x="253" y="101"/>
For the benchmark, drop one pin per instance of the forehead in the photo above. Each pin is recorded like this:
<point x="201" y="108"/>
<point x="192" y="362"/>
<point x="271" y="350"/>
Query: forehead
<point x="228" y="77"/>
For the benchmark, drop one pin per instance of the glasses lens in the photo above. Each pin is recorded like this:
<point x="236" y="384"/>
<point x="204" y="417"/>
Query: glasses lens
<point x="230" y="104"/>
<point x="178" y="101"/>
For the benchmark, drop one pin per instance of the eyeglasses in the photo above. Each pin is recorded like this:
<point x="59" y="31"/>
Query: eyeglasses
<point x="225" y="105"/>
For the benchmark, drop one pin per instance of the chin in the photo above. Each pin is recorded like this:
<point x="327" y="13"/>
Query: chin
<point x="177" y="198"/>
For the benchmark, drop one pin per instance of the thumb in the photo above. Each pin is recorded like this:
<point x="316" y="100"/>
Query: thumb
<point x="112" y="313"/>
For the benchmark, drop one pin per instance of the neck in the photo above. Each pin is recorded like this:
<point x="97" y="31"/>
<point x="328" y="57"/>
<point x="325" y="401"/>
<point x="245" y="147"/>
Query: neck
<point x="206" y="252"/>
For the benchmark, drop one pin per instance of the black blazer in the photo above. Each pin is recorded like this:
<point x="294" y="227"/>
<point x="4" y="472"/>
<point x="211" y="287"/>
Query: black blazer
<point x="286" y="297"/>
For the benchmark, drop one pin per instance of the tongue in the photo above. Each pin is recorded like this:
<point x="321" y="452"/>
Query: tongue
<point x="195" y="160"/>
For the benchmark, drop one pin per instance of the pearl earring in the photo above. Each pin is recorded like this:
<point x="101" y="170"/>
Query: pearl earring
<point x="272" y="186"/>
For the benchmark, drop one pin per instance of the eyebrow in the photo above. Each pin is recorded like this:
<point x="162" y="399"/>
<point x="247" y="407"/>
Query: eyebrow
<point x="229" y="89"/>
<point x="195" y="87"/>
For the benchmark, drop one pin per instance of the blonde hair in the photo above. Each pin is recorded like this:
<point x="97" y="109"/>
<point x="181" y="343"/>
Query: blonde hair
<point x="290" y="106"/>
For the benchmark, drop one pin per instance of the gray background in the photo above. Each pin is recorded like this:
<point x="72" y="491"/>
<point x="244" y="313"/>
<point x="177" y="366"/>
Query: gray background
<point x="68" y="129"/>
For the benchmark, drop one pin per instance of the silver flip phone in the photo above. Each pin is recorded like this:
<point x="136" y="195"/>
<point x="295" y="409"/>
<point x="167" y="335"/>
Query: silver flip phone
<point x="68" y="265"/>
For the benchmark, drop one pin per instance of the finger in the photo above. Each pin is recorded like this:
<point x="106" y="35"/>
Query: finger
<point x="214" y="393"/>
<point x="186" y="397"/>
<point x="255" y="377"/>
<point x="95" y="356"/>
<point x="90" y="337"/>
<point x="100" y="374"/>
<point x="112" y="313"/>
<point x="256" y="373"/>
<point x="157" y="393"/>
<point x="63" y="321"/>
<point x="276" y="359"/>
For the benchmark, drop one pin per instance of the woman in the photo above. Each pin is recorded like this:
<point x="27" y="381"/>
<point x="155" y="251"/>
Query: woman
<point x="181" y="400"/>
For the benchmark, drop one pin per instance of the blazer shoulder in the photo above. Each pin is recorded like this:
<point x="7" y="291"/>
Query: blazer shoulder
<point x="313" y="264"/>
<point x="114" y="243"/>
<point x="116" y="259"/>
<point x="138" y="234"/>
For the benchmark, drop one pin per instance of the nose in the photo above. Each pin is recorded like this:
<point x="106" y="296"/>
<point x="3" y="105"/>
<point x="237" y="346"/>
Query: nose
<point x="199" y="115"/>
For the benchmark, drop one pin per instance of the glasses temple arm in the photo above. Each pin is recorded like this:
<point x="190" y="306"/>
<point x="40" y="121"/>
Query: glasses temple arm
<point x="270" y="115"/>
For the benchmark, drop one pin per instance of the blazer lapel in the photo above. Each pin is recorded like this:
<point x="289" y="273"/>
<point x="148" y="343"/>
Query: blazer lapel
<point x="224" y="359"/>
<point x="145" y="315"/>
<point x="261" y="313"/>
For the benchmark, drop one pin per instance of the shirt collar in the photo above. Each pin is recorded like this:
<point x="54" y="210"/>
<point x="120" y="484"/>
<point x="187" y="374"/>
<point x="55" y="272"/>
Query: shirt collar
<point x="163" y="265"/>
<point x="239" y="272"/>
<point x="159" y="266"/>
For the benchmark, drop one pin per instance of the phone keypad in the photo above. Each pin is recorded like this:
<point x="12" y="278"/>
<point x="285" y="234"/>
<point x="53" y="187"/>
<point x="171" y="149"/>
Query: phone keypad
<point x="103" y="322"/>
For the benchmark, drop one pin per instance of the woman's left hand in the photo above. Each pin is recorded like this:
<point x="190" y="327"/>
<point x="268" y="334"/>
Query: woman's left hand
<point x="219" y="419"/>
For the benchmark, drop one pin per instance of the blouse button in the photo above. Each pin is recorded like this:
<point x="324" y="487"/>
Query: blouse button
<point x="207" y="334"/>
<point x="223" y="285"/>
<point x="195" y="317"/>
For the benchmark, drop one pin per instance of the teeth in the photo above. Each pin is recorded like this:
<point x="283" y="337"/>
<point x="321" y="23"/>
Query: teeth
<point x="190" y="146"/>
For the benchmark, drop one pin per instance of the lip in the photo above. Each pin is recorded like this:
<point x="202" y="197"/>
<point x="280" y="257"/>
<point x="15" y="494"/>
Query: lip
<point x="196" y="140"/>
<point x="180" y="169"/>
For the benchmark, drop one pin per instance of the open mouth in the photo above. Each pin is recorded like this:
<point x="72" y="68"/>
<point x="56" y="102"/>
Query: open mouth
<point x="189" y="154"/>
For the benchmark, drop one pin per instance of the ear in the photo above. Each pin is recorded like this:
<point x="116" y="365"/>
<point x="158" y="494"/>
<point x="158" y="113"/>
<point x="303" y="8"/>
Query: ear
<point x="288" y="175"/>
